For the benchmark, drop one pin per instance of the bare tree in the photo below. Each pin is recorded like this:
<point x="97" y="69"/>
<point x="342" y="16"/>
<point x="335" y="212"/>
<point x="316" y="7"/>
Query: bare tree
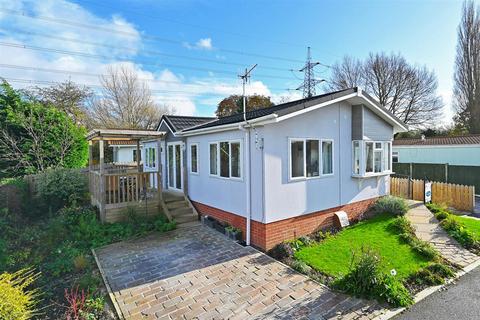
<point x="409" y="92"/>
<point x="67" y="97"/>
<point x="126" y="102"/>
<point x="466" y="91"/>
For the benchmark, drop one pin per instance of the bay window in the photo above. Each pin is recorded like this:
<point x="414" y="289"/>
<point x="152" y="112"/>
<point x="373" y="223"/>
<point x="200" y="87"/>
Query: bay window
<point x="226" y="159"/>
<point x="371" y="157"/>
<point x="310" y="158"/>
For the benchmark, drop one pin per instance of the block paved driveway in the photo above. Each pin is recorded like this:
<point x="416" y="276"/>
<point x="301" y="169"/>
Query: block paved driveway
<point x="197" y="273"/>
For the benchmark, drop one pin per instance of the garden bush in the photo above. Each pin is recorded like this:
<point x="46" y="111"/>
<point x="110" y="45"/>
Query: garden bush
<point x="432" y="275"/>
<point x="61" y="187"/>
<point x="281" y="251"/>
<point x="301" y="266"/>
<point x="17" y="301"/>
<point x="366" y="279"/>
<point x="458" y="231"/>
<point x="407" y="233"/>
<point x="390" y="204"/>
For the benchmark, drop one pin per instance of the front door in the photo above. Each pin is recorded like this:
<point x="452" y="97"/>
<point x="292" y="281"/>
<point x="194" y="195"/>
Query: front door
<point x="175" y="161"/>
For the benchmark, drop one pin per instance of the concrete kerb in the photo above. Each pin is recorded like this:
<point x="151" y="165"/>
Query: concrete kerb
<point x="428" y="291"/>
<point x="109" y="289"/>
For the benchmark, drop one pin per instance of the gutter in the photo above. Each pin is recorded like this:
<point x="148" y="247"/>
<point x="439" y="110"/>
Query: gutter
<point x="231" y="126"/>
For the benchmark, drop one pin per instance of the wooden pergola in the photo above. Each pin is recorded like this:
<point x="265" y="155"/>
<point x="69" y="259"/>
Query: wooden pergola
<point x="115" y="188"/>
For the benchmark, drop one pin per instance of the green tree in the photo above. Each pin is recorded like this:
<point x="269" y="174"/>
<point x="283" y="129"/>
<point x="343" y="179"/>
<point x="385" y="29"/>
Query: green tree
<point x="34" y="136"/>
<point x="234" y="104"/>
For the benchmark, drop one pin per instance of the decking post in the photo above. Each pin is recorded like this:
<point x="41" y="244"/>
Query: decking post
<point x="102" y="181"/>
<point x="139" y="168"/>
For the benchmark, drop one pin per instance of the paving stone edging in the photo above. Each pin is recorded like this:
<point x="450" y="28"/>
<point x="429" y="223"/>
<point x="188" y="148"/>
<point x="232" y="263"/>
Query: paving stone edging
<point x="429" y="291"/>
<point x="118" y="311"/>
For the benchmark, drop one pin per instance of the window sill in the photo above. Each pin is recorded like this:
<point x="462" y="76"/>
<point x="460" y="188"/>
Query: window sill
<point x="225" y="178"/>
<point x="323" y="176"/>
<point x="371" y="175"/>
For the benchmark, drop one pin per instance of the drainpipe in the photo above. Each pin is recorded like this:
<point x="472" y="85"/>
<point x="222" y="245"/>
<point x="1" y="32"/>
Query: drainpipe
<point x="248" y="202"/>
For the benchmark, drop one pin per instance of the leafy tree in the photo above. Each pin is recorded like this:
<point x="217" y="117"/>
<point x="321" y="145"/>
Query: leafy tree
<point x="234" y="104"/>
<point x="34" y="136"/>
<point x="408" y="91"/>
<point x="67" y="97"/>
<point x="466" y="91"/>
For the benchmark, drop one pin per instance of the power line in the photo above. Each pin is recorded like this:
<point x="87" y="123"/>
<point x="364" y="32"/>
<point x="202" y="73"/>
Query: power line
<point x="103" y="57"/>
<point x="48" y="82"/>
<point x="96" y="3"/>
<point x="149" y="52"/>
<point x="133" y="34"/>
<point x="70" y="72"/>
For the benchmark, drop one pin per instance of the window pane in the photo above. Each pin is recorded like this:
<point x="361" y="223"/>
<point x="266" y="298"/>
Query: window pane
<point x="356" y="157"/>
<point x="224" y="159"/>
<point x="178" y="167"/>
<point x="387" y="156"/>
<point x="369" y="156"/>
<point x="297" y="161"/>
<point x="378" y="161"/>
<point x="193" y="158"/>
<point x="170" y="166"/>
<point x="153" y="157"/>
<point x="235" y="159"/>
<point x="213" y="159"/>
<point x="313" y="167"/>
<point x="378" y="145"/>
<point x="394" y="157"/>
<point x="327" y="157"/>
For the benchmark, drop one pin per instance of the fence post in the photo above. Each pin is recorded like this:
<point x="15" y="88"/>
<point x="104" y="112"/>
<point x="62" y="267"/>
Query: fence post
<point x="446" y="172"/>
<point x="411" y="170"/>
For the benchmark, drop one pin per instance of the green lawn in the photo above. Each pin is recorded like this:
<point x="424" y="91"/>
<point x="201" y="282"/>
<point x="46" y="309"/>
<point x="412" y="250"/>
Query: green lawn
<point x="471" y="224"/>
<point x="333" y="256"/>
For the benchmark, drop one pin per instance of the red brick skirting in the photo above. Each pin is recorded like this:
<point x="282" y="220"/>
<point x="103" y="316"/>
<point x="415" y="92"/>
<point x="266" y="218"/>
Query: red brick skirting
<point x="266" y="236"/>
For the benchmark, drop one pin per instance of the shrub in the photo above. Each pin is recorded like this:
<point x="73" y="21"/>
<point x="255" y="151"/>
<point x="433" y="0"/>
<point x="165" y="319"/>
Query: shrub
<point x="365" y="279"/>
<point x="402" y="226"/>
<point x="301" y="266"/>
<point x="390" y="204"/>
<point x="458" y="231"/>
<point x="305" y="240"/>
<point x="424" y="248"/>
<point x="88" y="282"/>
<point x="163" y="225"/>
<point x="391" y="290"/>
<point x="407" y="234"/>
<point x="17" y="302"/>
<point x="80" y="262"/>
<point x="441" y="215"/>
<point x="281" y="251"/>
<point x="364" y="275"/>
<point x="61" y="187"/>
<point x="432" y="275"/>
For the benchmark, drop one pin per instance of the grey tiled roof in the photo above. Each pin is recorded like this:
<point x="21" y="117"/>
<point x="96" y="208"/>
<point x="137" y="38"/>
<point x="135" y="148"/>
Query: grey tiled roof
<point x="178" y="123"/>
<point x="458" y="140"/>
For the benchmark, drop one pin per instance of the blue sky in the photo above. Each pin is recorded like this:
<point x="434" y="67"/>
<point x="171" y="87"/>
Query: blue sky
<point x="154" y="37"/>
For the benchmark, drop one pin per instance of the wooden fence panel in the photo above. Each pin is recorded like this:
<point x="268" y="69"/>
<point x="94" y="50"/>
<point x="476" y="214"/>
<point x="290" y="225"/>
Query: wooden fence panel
<point x="456" y="196"/>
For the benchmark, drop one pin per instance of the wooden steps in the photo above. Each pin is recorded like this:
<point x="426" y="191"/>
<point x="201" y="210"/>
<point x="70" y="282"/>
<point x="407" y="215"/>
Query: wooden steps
<point x="179" y="208"/>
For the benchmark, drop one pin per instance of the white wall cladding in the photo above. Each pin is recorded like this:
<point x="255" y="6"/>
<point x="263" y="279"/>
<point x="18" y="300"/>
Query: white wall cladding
<point x="226" y="194"/>
<point x="286" y="198"/>
<point x="374" y="127"/>
<point x="274" y="197"/>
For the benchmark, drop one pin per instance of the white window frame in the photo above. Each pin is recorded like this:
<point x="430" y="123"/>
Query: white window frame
<point x="320" y="159"/>
<point x="150" y="164"/>
<point x="363" y="161"/>
<point x="217" y="143"/>
<point x="190" y="158"/>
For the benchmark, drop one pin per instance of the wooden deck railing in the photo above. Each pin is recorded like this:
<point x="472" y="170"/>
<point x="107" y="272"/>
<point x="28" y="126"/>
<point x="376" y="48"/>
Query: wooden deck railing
<point x="120" y="188"/>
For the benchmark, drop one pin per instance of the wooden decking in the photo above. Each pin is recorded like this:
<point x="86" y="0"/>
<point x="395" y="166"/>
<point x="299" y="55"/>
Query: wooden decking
<point x="116" y="192"/>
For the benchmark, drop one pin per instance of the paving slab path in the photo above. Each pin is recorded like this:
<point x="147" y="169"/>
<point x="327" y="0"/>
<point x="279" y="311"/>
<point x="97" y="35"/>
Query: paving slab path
<point x="197" y="273"/>
<point x="428" y="228"/>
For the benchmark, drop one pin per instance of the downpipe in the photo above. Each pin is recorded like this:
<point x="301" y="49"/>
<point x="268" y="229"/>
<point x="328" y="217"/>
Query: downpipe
<point x="248" y="203"/>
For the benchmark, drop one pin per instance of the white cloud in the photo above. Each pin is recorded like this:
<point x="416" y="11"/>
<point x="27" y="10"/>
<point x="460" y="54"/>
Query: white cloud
<point x="183" y="94"/>
<point x="202" y="44"/>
